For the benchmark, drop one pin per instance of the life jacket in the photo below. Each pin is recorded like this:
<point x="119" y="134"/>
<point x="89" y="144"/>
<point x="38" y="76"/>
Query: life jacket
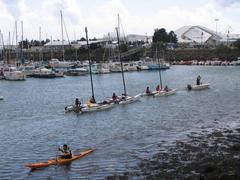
<point x="65" y="151"/>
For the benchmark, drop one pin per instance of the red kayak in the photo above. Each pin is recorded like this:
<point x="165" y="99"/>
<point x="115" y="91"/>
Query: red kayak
<point x="59" y="161"/>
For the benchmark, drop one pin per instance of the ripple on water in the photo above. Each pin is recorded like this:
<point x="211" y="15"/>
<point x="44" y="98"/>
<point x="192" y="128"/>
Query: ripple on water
<point x="33" y="122"/>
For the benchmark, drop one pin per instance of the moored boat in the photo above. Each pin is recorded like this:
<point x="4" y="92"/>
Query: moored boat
<point x="43" y="73"/>
<point x="12" y="74"/>
<point x="76" y="71"/>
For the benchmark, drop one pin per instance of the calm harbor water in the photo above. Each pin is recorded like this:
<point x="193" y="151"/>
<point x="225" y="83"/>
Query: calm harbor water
<point x="33" y="122"/>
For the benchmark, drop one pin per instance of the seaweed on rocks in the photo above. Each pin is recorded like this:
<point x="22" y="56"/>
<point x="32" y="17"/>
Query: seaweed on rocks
<point x="214" y="155"/>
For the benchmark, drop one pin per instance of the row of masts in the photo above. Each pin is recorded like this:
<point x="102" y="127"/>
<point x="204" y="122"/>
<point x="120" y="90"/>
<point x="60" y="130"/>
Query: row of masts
<point x="120" y="60"/>
<point x="63" y="29"/>
<point x="11" y="43"/>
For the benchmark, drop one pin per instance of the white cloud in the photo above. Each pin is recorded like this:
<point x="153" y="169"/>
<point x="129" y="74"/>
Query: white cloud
<point x="103" y="19"/>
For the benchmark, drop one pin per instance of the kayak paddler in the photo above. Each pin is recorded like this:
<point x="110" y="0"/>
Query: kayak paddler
<point x="65" y="152"/>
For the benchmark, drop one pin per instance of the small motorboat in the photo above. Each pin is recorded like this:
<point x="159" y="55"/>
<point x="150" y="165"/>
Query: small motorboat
<point x="197" y="87"/>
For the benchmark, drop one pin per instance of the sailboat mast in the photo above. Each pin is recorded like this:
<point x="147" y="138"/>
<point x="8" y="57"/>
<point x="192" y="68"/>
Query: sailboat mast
<point x="119" y="25"/>
<point x="62" y="35"/>
<point x="89" y="62"/>
<point x="16" y="42"/>
<point x="159" y="68"/>
<point x="22" y="60"/>
<point x="40" y="44"/>
<point x="9" y="46"/>
<point x="51" y="49"/>
<point x="119" y="57"/>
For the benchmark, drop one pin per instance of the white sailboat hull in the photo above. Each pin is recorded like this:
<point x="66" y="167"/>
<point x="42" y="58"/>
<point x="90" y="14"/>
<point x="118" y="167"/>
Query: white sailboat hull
<point x="130" y="99"/>
<point x="88" y="108"/>
<point x="97" y="107"/>
<point x="14" y="76"/>
<point x="199" y="87"/>
<point x="72" y="108"/>
<point x="165" y="93"/>
<point x="149" y="94"/>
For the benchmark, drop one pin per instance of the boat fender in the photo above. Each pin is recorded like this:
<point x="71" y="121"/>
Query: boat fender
<point x="189" y="87"/>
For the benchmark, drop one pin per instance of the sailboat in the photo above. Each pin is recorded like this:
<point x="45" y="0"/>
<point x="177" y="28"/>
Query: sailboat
<point x="12" y="73"/>
<point x="92" y="105"/>
<point x="125" y="99"/>
<point x="163" y="91"/>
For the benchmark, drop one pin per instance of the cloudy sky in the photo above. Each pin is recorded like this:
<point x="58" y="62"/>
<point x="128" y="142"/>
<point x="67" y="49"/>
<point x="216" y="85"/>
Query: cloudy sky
<point x="100" y="16"/>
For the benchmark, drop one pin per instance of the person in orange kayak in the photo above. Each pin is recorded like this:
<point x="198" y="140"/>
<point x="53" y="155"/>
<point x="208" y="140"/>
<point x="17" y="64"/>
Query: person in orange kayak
<point x="66" y="152"/>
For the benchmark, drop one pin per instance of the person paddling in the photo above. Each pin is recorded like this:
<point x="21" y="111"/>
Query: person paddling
<point x="65" y="152"/>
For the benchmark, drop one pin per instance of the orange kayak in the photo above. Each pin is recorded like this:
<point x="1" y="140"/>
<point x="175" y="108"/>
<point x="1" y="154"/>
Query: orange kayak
<point x="59" y="161"/>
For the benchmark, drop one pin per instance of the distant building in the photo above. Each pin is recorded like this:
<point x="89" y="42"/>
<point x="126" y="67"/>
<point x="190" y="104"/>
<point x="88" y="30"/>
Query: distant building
<point x="129" y="38"/>
<point x="136" y="37"/>
<point x="57" y="45"/>
<point x="73" y="44"/>
<point x="199" y="35"/>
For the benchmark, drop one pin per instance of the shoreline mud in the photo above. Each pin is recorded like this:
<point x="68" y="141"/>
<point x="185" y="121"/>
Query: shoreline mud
<point x="205" y="155"/>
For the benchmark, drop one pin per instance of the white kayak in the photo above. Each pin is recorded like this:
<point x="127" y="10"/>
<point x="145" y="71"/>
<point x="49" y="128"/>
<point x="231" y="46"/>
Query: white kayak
<point x="198" y="87"/>
<point x="130" y="99"/>
<point x="1" y="98"/>
<point x="165" y="93"/>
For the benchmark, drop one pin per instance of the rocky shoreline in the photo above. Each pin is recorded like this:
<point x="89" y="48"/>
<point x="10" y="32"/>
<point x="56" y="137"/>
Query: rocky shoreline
<point x="205" y="155"/>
